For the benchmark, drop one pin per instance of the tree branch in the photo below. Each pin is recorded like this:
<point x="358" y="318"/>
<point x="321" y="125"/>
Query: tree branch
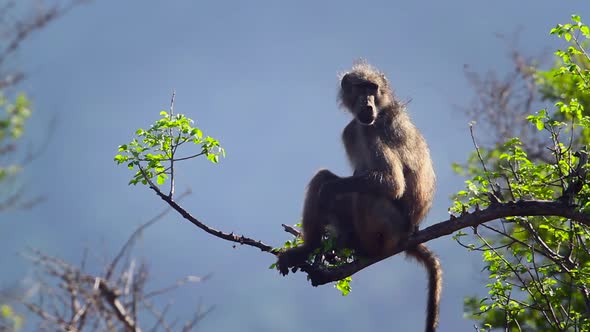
<point x="186" y="215"/>
<point x="112" y="298"/>
<point x="74" y="300"/>
<point x="321" y="276"/>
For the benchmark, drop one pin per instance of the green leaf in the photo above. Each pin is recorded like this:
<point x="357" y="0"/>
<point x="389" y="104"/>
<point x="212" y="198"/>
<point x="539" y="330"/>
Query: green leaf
<point x="6" y="311"/>
<point x="344" y="286"/>
<point x="121" y="159"/>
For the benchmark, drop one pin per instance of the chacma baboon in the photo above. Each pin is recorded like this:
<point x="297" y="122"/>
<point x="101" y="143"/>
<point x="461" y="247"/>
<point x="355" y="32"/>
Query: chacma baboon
<point x="390" y="192"/>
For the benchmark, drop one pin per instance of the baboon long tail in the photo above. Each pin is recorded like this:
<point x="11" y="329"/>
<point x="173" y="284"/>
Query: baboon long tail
<point x="427" y="258"/>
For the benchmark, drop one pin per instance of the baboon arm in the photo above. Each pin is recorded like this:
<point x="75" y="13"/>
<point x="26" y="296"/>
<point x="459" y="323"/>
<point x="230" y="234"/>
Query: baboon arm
<point x="387" y="183"/>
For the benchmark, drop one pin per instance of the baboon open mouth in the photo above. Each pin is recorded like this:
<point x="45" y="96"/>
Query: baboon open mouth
<point x="366" y="118"/>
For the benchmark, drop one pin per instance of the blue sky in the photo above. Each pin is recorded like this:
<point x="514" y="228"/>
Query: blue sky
<point x="260" y="76"/>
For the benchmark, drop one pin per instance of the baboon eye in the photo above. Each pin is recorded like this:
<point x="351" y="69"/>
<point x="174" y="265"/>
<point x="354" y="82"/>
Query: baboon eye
<point x="372" y="87"/>
<point x="367" y="87"/>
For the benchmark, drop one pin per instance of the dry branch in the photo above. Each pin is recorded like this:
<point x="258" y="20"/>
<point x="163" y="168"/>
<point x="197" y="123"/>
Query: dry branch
<point x="75" y="300"/>
<point x="186" y="215"/>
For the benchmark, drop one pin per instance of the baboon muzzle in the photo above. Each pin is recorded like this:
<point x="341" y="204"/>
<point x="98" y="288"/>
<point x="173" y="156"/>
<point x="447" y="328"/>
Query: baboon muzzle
<point x="367" y="111"/>
<point x="367" y="114"/>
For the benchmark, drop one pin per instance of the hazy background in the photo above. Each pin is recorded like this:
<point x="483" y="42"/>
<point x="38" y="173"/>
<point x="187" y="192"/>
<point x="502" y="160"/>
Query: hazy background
<point x="260" y="76"/>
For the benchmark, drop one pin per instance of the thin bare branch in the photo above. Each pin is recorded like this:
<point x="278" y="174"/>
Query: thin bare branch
<point x="80" y="301"/>
<point x="226" y="236"/>
<point x="171" y="194"/>
<point x="112" y="298"/>
<point x="136" y="234"/>
<point x="176" y="285"/>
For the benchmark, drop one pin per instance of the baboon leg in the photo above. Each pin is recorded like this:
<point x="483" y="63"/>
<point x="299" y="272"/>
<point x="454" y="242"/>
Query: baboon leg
<point x="342" y="219"/>
<point x="313" y="223"/>
<point x="314" y="218"/>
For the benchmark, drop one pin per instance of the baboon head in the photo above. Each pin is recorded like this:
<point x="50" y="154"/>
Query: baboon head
<point x="365" y="92"/>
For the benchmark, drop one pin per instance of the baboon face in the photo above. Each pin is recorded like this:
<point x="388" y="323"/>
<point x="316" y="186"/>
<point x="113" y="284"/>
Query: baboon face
<point x="364" y="93"/>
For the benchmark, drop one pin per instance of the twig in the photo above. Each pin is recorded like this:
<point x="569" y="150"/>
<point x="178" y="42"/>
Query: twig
<point x="171" y="194"/>
<point x="226" y="236"/>
<point x="177" y="284"/>
<point x="497" y="195"/>
<point x="291" y="230"/>
<point x="81" y="301"/>
<point x="134" y="236"/>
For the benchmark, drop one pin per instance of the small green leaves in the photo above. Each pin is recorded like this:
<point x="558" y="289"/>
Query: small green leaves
<point x="13" y="116"/>
<point x="576" y="18"/>
<point x="12" y="125"/>
<point x="328" y="255"/>
<point x="7" y="313"/>
<point x="161" y="178"/>
<point x="120" y="158"/>
<point x="343" y="286"/>
<point x="535" y="264"/>
<point x="574" y="58"/>
<point x="539" y="119"/>
<point x="155" y="150"/>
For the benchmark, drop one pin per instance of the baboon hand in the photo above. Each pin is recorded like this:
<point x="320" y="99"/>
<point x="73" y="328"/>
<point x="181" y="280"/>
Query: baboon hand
<point x="283" y="270"/>
<point x="284" y="262"/>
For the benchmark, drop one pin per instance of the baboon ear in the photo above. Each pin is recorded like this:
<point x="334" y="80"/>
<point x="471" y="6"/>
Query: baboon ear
<point x="345" y="82"/>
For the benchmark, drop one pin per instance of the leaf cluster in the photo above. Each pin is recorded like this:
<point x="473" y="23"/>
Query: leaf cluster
<point x="538" y="268"/>
<point x="12" y="122"/>
<point x="10" y="320"/>
<point x="154" y="151"/>
<point x="329" y="255"/>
